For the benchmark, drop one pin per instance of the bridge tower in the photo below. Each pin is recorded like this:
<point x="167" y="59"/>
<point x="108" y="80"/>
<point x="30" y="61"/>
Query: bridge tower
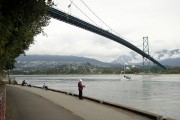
<point x="146" y="62"/>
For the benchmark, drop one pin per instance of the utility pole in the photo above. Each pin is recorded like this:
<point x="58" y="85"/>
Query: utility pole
<point x="146" y="62"/>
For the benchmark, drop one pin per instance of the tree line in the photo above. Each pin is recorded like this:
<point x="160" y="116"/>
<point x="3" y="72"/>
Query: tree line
<point x="87" y="68"/>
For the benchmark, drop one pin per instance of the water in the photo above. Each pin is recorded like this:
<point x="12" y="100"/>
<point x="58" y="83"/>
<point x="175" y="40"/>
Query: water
<point x="154" y="93"/>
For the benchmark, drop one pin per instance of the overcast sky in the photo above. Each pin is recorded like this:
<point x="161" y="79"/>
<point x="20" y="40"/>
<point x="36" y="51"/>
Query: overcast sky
<point x="131" y="19"/>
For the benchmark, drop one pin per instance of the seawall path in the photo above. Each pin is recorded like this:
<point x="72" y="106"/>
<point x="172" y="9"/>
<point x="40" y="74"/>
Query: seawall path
<point x="30" y="103"/>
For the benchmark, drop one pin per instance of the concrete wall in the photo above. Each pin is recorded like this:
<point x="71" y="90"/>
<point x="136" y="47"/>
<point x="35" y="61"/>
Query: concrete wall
<point x="2" y="102"/>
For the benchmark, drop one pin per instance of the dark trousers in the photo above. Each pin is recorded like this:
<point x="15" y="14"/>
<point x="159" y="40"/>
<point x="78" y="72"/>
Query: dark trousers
<point x="80" y="94"/>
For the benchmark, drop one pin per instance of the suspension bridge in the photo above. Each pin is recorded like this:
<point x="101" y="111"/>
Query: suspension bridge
<point x="67" y="18"/>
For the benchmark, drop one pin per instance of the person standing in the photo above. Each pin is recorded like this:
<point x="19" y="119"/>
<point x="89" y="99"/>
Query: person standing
<point x="45" y="86"/>
<point x="80" y="88"/>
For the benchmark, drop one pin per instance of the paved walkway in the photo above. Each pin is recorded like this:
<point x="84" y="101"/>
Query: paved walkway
<point x="58" y="105"/>
<point x="26" y="105"/>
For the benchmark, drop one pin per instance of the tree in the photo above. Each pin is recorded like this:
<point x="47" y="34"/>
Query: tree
<point x="20" y="21"/>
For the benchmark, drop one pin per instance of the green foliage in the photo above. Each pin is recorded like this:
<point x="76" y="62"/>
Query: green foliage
<point x="88" y="68"/>
<point x="20" y="21"/>
<point x="84" y="68"/>
<point x="173" y="70"/>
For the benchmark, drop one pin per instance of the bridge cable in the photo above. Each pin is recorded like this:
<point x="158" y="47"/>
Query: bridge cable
<point x="82" y="11"/>
<point x="97" y="18"/>
<point x="95" y="14"/>
<point x="105" y="23"/>
<point x="69" y="6"/>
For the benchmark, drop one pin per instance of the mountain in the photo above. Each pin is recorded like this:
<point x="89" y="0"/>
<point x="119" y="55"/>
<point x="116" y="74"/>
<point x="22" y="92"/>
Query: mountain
<point x="171" y="62"/>
<point x="131" y="58"/>
<point x="54" y="60"/>
<point x="165" y="57"/>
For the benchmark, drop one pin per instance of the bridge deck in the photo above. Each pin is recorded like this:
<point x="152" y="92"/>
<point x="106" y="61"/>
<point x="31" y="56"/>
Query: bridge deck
<point x="57" y="14"/>
<point x="86" y="109"/>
